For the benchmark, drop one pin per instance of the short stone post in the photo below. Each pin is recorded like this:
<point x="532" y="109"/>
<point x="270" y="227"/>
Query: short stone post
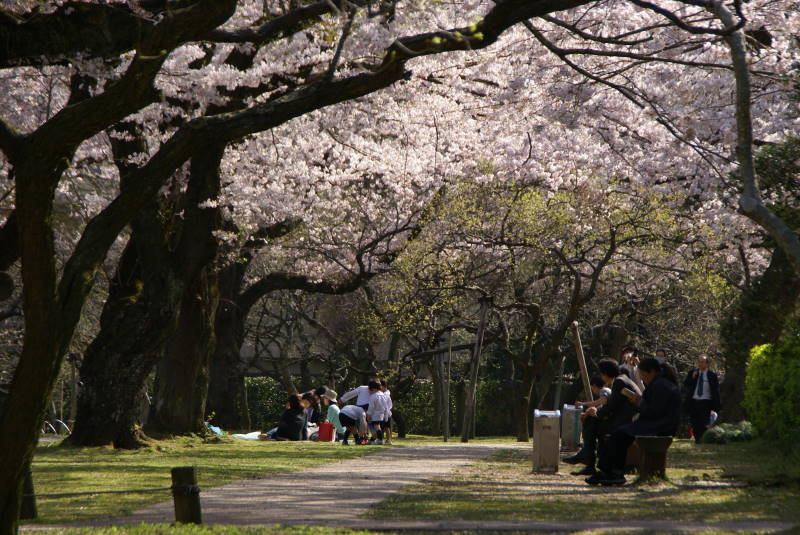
<point x="186" y="495"/>
<point x="653" y="463"/>
<point x="27" y="509"/>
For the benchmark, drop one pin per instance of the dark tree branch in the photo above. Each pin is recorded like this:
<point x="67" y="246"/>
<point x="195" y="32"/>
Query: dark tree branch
<point x="102" y="230"/>
<point x="292" y="281"/>
<point x="680" y="23"/>
<point x="101" y="30"/>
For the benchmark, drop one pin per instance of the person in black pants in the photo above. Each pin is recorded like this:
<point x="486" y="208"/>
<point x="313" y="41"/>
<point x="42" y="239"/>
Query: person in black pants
<point x="617" y="411"/>
<point x="659" y="413"/>
<point x="588" y="452"/>
<point x="701" y="389"/>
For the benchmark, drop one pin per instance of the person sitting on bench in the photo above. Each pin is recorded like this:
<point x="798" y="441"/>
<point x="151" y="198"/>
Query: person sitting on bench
<point x="588" y="451"/>
<point x="659" y="413"/>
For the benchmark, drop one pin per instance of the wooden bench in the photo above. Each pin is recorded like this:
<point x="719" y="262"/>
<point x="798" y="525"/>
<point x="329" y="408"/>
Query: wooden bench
<point x="653" y="457"/>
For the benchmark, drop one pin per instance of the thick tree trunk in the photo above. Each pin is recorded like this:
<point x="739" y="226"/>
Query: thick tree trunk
<point x="47" y="332"/>
<point x="227" y="396"/>
<point x="182" y="375"/>
<point x="136" y="321"/>
<point x="758" y="318"/>
<point x="141" y="312"/>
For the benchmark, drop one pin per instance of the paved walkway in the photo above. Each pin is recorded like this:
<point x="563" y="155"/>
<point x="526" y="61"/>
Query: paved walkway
<point x="332" y="494"/>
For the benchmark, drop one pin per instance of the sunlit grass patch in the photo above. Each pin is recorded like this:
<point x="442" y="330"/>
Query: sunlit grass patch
<point x="61" y="469"/>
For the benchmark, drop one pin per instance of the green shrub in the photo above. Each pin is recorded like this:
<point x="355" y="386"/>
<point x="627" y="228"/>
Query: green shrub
<point x="266" y="400"/>
<point x="724" y="433"/>
<point x="772" y="389"/>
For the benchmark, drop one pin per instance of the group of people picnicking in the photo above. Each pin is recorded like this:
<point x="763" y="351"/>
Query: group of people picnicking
<point x="639" y="397"/>
<point x="368" y="421"/>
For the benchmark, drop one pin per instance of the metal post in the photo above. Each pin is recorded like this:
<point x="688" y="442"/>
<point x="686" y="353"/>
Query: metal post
<point x="446" y="390"/>
<point x="186" y="495"/>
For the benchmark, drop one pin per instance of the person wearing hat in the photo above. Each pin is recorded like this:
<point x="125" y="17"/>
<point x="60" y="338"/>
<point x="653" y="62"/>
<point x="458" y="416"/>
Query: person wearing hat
<point x="329" y="399"/>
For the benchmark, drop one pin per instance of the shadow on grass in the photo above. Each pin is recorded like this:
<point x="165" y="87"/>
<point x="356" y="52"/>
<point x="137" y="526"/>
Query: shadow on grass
<point x="746" y="481"/>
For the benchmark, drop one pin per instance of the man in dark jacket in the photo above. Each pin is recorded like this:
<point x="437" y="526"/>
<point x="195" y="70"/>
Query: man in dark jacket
<point x="701" y="389"/>
<point x="659" y="415"/>
<point x="616" y="412"/>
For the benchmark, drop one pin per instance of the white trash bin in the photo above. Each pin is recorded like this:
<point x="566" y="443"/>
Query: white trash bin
<point x="546" y="442"/>
<point x="571" y="427"/>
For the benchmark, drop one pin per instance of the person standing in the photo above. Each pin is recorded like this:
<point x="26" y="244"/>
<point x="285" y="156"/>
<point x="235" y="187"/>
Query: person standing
<point x="701" y="388"/>
<point x="360" y="394"/>
<point x="377" y="411"/>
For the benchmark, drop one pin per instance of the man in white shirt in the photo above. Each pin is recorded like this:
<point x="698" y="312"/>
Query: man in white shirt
<point x="701" y="388"/>
<point x="361" y="395"/>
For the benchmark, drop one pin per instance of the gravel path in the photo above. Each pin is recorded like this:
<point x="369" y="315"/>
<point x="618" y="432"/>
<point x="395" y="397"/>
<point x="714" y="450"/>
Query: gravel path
<point x="332" y="494"/>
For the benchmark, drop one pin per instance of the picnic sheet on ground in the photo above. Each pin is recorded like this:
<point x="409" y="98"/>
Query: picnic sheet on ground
<point x="253" y="435"/>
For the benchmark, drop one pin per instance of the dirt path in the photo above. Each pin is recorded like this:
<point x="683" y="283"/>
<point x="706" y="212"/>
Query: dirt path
<point x="332" y="494"/>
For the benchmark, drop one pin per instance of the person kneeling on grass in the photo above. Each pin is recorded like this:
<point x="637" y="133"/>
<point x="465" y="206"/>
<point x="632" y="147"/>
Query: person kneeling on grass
<point x="329" y="399"/>
<point x="354" y="420"/>
<point x="659" y="414"/>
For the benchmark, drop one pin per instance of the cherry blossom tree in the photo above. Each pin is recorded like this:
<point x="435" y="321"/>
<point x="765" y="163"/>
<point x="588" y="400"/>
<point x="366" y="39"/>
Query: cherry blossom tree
<point x="645" y="93"/>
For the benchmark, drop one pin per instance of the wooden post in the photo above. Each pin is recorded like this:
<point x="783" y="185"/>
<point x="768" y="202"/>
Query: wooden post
<point x="587" y="389"/>
<point x="186" y="495"/>
<point x="469" y="398"/>
<point x="27" y="510"/>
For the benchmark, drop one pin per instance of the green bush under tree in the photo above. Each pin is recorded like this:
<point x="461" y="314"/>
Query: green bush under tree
<point x="772" y="390"/>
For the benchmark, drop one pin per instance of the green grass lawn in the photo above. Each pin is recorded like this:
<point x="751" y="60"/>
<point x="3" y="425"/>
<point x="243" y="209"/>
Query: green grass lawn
<point x="745" y="481"/>
<point x="60" y="469"/>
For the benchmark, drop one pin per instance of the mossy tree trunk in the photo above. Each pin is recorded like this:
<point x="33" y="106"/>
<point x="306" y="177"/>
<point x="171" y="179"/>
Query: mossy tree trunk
<point x="182" y="374"/>
<point x="141" y="313"/>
